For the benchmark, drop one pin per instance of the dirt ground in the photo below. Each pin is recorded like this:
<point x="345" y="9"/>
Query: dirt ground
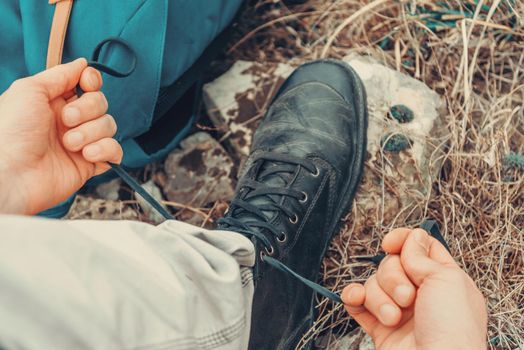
<point x="471" y="52"/>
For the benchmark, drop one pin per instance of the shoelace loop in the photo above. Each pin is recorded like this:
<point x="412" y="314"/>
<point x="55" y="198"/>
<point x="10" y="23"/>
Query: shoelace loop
<point x="252" y="221"/>
<point x="119" y="170"/>
<point x="255" y="220"/>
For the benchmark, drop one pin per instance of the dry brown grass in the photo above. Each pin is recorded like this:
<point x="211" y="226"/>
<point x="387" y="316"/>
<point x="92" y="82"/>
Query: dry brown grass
<point x="476" y="63"/>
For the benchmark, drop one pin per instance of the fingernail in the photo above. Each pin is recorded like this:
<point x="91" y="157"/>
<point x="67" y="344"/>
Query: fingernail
<point x="71" y="116"/>
<point x="421" y="238"/>
<point x="350" y="295"/>
<point x="75" y="139"/>
<point x="92" y="79"/>
<point x="92" y="151"/>
<point x="402" y="295"/>
<point x="388" y="313"/>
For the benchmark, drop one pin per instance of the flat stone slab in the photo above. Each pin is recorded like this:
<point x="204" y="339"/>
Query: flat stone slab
<point x="199" y="172"/>
<point x="238" y="99"/>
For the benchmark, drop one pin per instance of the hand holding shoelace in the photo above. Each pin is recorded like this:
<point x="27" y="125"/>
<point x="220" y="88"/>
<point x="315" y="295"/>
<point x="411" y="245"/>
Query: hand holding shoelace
<point x="419" y="298"/>
<point x="52" y="141"/>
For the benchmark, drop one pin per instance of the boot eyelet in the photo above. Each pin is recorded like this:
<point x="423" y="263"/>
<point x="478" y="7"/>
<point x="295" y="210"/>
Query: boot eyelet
<point x="316" y="173"/>
<point x="304" y="197"/>
<point x="283" y="238"/>
<point x="262" y="255"/>
<point x="293" y="219"/>
<point x="270" y="251"/>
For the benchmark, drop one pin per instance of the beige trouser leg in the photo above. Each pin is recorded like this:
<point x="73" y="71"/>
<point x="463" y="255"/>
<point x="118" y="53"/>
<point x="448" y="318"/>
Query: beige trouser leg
<point x="73" y="285"/>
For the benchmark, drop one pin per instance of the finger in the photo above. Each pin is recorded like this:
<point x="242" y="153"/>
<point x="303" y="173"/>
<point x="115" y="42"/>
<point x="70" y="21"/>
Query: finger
<point x="415" y="256"/>
<point x="89" y="106"/>
<point x="91" y="80"/>
<point x="380" y="305"/>
<point x="102" y="151"/>
<point x="76" y="139"/>
<point x="394" y="281"/>
<point x="354" y="296"/>
<point x="393" y="241"/>
<point x="58" y="80"/>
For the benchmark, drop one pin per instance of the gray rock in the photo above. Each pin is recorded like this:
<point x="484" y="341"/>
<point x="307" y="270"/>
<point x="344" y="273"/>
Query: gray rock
<point x="151" y="213"/>
<point x="398" y="174"/>
<point x="199" y="172"/>
<point x="237" y="100"/>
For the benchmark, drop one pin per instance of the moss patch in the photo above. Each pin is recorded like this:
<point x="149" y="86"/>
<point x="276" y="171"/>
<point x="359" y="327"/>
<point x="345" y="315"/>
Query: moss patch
<point x="395" y="143"/>
<point x="401" y="113"/>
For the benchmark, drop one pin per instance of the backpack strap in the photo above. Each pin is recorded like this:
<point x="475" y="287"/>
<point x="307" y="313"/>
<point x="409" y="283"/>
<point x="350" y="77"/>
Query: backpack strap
<point x="58" y="31"/>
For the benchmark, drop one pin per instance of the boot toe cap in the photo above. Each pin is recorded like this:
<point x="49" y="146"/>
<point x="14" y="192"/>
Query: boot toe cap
<point x="338" y="75"/>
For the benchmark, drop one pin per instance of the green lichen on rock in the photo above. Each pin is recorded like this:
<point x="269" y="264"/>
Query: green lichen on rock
<point x="513" y="160"/>
<point x="395" y="142"/>
<point x="401" y="113"/>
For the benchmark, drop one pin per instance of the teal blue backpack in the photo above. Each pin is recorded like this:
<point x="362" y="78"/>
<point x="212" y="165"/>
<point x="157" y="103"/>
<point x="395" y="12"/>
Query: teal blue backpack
<point x="172" y="39"/>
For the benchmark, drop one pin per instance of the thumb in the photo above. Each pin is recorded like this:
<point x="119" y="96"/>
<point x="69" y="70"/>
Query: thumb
<point x="58" y="80"/>
<point x="415" y="256"/>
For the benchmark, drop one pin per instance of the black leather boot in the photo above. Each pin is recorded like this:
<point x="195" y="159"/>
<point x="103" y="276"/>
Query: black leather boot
<point x="299" y="181"/>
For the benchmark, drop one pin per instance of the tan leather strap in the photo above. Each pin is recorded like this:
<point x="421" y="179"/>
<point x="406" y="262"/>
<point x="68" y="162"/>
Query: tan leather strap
<point x="58" y="31"/>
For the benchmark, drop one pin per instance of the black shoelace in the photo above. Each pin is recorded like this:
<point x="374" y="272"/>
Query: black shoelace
<point x="257" y="219"/>
<point x="253" y="220"/>
<point x="282" y="166"/>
